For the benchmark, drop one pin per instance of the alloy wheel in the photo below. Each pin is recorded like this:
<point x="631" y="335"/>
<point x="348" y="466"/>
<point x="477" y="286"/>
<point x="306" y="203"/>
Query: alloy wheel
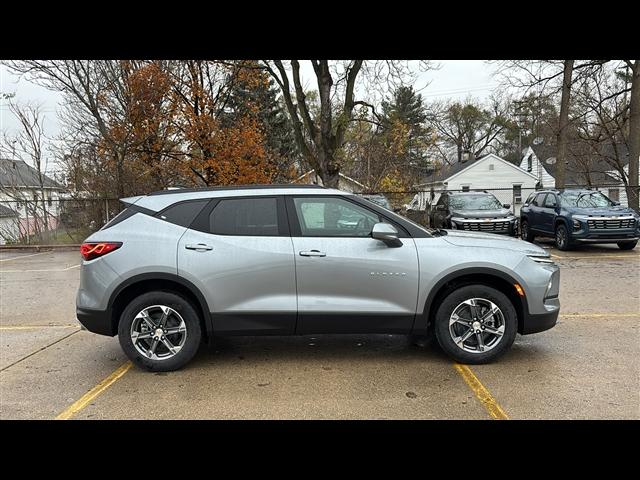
<point x="158" y="332"/>
<point x="477" y="325"/>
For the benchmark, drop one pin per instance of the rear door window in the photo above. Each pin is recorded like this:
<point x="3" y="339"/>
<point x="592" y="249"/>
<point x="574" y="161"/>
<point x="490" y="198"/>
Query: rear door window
<point x="245" y="216"/>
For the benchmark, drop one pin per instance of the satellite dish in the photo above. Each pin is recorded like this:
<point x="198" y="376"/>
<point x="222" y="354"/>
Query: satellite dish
<point x="538" y="140"/>
<point x="550" y="160"/>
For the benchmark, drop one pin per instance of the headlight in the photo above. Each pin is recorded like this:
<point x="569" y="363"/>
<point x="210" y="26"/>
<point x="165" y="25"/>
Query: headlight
<point x="576" y="224"/>
<point x="541" y="258"/>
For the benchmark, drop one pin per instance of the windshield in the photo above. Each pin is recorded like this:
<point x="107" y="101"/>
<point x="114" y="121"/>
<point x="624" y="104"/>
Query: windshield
<point x="474" y="202"/>
<point x="585" y="200"/>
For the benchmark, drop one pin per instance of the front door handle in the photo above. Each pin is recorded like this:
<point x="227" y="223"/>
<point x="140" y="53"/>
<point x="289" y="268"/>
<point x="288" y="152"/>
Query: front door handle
<point x="312" y="253"/>
<point x="200" y="247"/>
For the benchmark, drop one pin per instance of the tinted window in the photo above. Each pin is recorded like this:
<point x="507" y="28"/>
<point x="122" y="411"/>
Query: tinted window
<point x="531" y="198"/>
<point x="550" y="201"/>
<point x="539" y="201"/>
<point x="182" y="213"/>
<point x="245" y="216"/>
<point x="333" y="217"/>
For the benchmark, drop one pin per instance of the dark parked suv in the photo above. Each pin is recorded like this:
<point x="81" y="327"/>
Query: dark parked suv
<point x="579" y="216"/>
<point x="474" y="211"/>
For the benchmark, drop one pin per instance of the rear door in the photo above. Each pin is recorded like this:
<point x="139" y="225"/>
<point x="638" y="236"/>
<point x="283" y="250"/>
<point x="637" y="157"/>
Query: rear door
<point x="238" y="252"/>
<point x="348" y="282"/>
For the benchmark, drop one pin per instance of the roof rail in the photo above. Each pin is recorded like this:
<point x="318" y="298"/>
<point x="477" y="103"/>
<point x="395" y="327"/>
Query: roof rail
<point x="233" y="187"/>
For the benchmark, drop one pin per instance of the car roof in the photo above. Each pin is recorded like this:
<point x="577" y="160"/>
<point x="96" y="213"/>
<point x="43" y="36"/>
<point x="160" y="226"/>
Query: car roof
<point x="156" y="201"/>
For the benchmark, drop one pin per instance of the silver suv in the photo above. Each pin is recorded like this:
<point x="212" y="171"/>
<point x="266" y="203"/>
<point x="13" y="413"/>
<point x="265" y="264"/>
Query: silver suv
<point x="179" y="267"/>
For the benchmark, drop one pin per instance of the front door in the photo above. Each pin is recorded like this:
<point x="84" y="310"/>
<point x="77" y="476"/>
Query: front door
<point x="238" y="253"/>
<point x="548" y="213"/>
<point x="348" y="282"/>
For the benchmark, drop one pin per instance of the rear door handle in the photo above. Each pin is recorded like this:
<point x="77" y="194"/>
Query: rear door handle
<point x="312" y="253"/>
<point x="200" y="247"/>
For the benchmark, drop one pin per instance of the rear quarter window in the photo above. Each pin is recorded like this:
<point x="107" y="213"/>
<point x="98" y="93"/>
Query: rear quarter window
<point x="182" y="213"/>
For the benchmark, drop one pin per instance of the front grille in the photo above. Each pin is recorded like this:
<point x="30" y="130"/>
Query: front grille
<point x="596" y="224"/>
<point x="486" y="226"/>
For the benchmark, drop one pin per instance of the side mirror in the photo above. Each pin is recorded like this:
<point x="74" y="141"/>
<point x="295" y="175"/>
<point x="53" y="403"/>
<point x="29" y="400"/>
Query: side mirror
<point x="506" y="205"/>
<point x="386" y="233"/>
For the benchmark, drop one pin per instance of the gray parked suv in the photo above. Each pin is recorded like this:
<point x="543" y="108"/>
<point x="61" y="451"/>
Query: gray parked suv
<point x="181" y="266"/>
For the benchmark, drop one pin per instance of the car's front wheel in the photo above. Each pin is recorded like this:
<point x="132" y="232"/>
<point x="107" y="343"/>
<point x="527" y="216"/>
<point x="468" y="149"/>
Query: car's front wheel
<point x="159" y="331"/>
<point x="525" y="232"/>
<point x="562" y="237"/>
<point x="476" y="324"/>
<point x="627" y="245"/>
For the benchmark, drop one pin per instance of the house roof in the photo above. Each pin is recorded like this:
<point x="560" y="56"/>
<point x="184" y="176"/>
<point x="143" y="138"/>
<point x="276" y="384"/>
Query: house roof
<point x="16" y="173"/>
<point x="8" y="212"/>
<point x="446" y="173"/>
<point x="583" y="166"/>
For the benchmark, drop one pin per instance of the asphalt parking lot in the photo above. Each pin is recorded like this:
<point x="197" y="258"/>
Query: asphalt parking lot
<point x="587" y="367"/>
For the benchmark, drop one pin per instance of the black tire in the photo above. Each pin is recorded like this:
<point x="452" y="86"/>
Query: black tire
<point x="627" y="245"/>
<point x="562" y="237"/>
<point x="525" y="232"/>
<point x="460" y="295"/>
<point x="183" y="308"/>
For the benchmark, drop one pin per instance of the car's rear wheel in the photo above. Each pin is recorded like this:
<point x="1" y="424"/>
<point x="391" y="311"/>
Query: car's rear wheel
<point x="476" y="324"/>
<point x="160" y="331"/>
<point x="627" y="245"/>
<point x="525" y="232"/>
<point x="562" y="237"/>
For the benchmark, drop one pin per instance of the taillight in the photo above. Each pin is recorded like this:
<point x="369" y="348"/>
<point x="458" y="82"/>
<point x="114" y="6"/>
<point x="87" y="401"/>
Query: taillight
<point x="89" y="251"/>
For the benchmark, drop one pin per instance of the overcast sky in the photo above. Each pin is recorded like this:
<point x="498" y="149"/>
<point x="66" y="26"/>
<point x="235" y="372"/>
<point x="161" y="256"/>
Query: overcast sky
<point x="456" y="79"/>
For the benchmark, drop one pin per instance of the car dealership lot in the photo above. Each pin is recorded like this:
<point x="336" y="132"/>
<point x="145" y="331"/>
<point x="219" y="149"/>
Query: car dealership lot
<point x="588" y="366"/>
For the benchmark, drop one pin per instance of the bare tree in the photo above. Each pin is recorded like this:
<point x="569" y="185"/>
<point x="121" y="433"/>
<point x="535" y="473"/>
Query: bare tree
<point x="320" y="136"/>
<point x="564" y="123"/>
<point x="27" y="145"/>
<point x="634" y="133"/>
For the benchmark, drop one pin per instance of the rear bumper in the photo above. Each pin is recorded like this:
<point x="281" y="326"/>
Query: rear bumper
<point x="96" y="321"/>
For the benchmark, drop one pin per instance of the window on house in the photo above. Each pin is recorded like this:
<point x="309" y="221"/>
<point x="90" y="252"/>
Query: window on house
<point x="49" y="201"/>
<point x="491" y="167"/>
<point x="614" y="194"/>
<point x="529" y="163"/>
<point x="517" y="194"/>
<point x="465" y="188"/>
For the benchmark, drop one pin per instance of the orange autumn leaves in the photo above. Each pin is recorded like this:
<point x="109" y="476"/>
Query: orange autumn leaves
<point x="178" y="128"/>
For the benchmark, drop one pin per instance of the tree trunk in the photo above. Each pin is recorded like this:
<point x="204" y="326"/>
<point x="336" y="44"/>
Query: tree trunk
<point x="634" y="138"/>
<point x="561" y="157"/>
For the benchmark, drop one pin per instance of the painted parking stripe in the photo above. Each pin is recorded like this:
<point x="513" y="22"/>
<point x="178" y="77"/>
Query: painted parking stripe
<point x="47" y="270"/>
<point x="22" y="256"/>
<point x="94" y="392"/>
<point x="481" y="392"/>
<point x="35" y="327"/>
<point x="599" y="315"/>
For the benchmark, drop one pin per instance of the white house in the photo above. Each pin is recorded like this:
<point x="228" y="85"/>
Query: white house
<point x="9" y="225"/>
<point x="23" y="191"/>
<point x="508" y="182"/>
<point x="345" y="183"/>
<point x="581" y="170"/>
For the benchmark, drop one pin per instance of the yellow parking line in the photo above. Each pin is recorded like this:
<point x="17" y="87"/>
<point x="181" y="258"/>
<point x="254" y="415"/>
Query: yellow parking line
<point x="487" y="400"/>
<point x="597" y="256"/>
<point x="599" y="315"/>
<point x="94" y="392"/>
<point x="32" y="327"/>
<point x="22" y="256"/>
<point x="43" y="270"/>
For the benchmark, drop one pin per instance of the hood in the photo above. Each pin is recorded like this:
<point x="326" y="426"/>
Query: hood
<point x="600" y="212"/>
<point x="491" y="240"/>
<point x="498" y="213"/>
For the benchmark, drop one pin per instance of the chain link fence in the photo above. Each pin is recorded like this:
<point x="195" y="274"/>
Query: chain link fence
<point x="70" y="221"/>
<point x="55" y="221"/>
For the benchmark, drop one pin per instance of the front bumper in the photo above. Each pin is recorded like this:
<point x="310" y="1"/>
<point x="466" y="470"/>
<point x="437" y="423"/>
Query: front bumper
<point x="96" y="321"/>
<point x="501" y="226"/>
<point x="539" y="322"/>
